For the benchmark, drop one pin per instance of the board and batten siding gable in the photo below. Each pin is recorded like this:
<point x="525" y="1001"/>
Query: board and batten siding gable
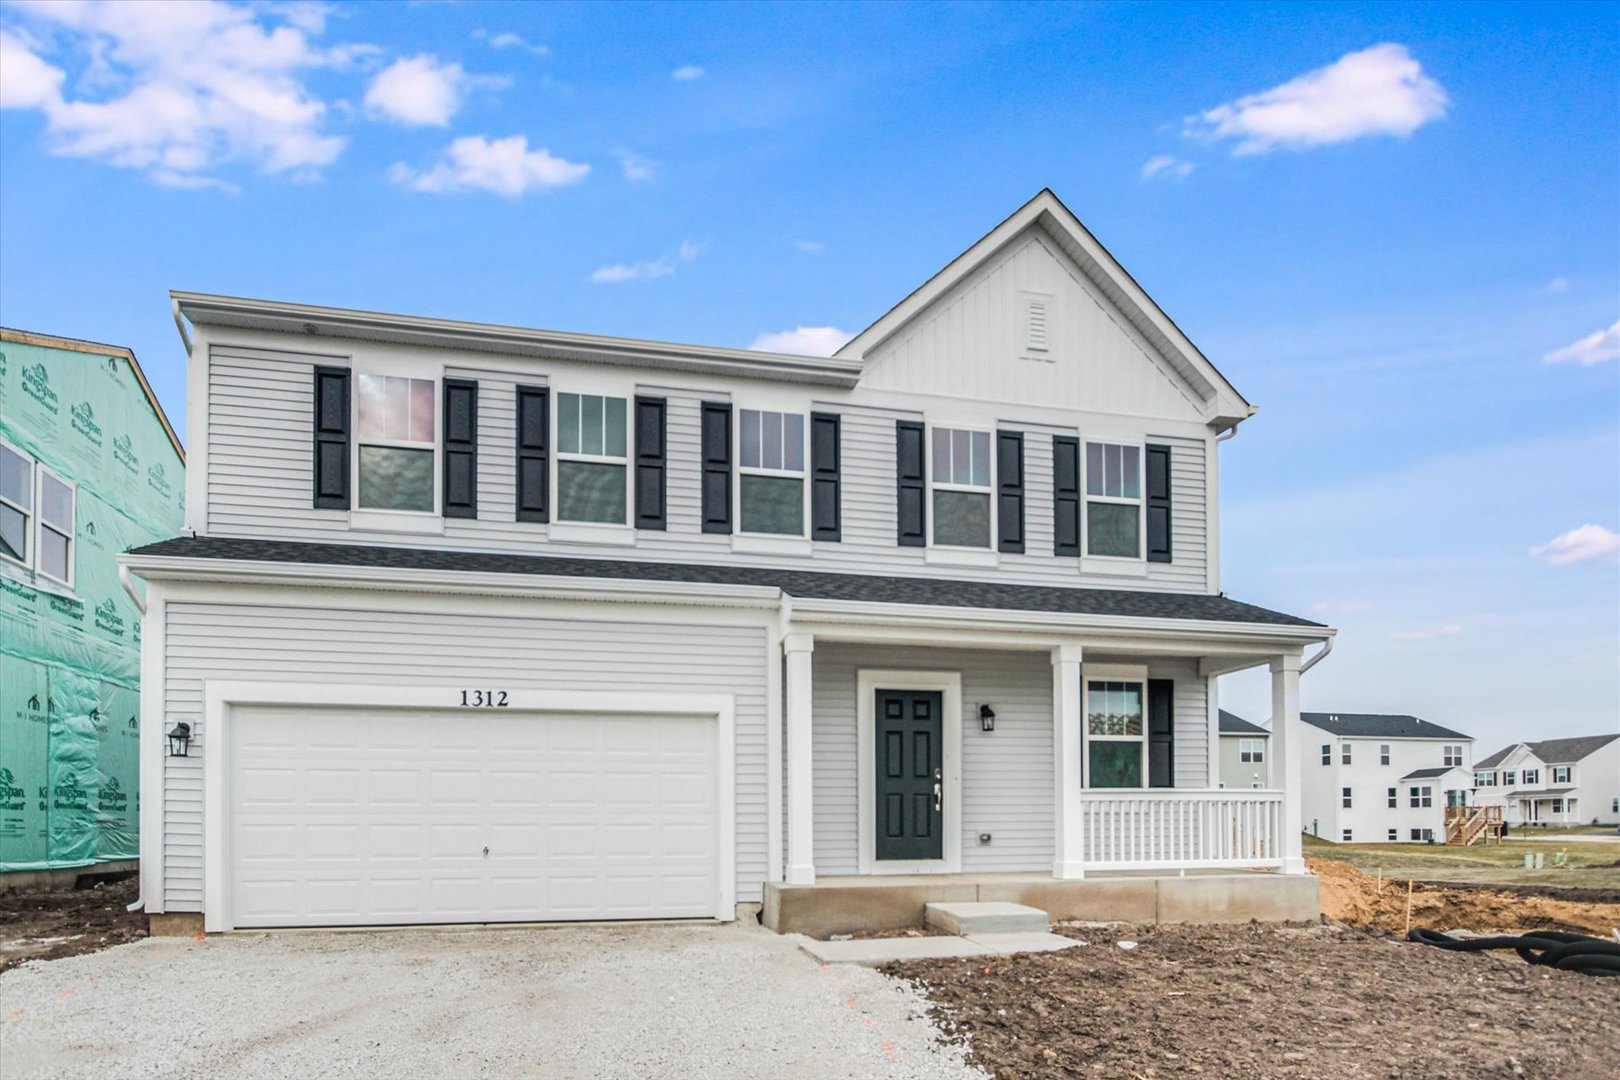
<point x="972" y="343"/>
<point x="242" y="641"/>
<point x="260" y="463"/>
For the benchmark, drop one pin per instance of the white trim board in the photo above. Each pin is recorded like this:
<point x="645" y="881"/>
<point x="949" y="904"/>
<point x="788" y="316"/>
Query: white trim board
<point x="868" y="681"/>
<point x="221" y="697"/>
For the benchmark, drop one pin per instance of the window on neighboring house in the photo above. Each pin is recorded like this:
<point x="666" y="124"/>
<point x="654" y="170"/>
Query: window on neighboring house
<point x="770" y="468"/>
<point x="1327" y="754"/>
<point x="1253" y="784"/>
<point x="1394" y="798"/>
<point x="397" y="445"/>
<point x="1344" y="754"/>
<point x="1347" y="835"/>
<point x="1113" y="500"/>
<point x="1485" y="779"/>
<point x="1422" y="797"/>
<point x="1560" y="774"/>
<point x="16" y="505"/>
<point x="1422" y="834"/>
<point x="1394" y="834"/>
<point x="1558" y="806"/>
<point x="1507" y="778"/>
<point x="1344" y="796"/>
<point x="1532" y="776"/>
<point x="1251" y="751"/>
<point x="1114" y="734"/>
<point x="961" y="487"/>
<point x="1452" y="756"/>
<point x="1614" y="805"/>
<point x="55" y="535"/>
<point x="592" y="470"/>
<point x="1383" y="754"/>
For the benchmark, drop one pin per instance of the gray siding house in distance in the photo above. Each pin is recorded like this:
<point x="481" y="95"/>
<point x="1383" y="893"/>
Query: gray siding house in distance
<point x="1245" y="753"/>
<point x="477" y="623"/>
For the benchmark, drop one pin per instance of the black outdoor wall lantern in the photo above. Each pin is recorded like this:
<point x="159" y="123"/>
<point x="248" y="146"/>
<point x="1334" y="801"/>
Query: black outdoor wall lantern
<point x="180" y="739"/>
<point x="987" y="718"/>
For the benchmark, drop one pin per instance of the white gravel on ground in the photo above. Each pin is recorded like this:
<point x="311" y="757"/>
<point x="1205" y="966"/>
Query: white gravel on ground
<point x="647" y="1001"/>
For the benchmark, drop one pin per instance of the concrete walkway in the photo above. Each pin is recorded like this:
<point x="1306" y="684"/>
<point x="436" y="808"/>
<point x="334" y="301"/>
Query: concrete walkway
<point x="875" y="951"/>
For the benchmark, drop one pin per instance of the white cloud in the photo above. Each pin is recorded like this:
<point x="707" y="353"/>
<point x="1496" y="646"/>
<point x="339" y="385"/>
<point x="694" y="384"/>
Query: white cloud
<point x="1594" y="348"/>
<point x="504" y="166"/>
<point x="686" y="73"/>
<point x="810" y="247"/>
<point x="1343" y="607"/>
<point x="508" y="40"/>
<point x="1380" y="90"/>
<point x="663" y="266"/>
<point x="176" y="90"/>
<point x="1587" y="543"/>
<point x="637" y="168"/>
<point x="1165" y="165"/>
<point x="418" y="91"/>
<point x="803" y="341"/>
<point x="1554" y="287"/>
<point x="1427" y="633"/>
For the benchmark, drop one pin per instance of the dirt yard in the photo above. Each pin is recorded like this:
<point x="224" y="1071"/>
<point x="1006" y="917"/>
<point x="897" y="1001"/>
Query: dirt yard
<point x="1345" y="1000"/>
<point x="47" y="925"/>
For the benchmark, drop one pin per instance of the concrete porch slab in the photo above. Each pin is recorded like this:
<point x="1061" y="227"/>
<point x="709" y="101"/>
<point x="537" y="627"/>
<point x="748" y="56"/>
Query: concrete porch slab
<point x="986" y="917"/>
<point x="873" y="951"/>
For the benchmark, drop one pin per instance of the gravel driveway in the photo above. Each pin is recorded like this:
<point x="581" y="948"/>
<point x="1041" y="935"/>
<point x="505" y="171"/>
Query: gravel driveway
<point x="649" y="1001"/>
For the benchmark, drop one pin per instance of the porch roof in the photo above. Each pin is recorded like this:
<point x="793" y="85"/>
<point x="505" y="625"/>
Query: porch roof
<point x="802" y="584"/>
<point x="1544" y="793"/>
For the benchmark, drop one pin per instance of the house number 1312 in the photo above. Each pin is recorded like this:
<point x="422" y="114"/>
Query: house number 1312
<point x="484" y="699"/>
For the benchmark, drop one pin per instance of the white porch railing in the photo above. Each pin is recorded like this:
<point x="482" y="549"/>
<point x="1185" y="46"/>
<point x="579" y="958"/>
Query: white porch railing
<point x="1181" y="829"/>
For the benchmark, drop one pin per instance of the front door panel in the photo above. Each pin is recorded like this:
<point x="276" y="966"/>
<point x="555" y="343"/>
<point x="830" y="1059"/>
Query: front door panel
<point x="909" y="772"/>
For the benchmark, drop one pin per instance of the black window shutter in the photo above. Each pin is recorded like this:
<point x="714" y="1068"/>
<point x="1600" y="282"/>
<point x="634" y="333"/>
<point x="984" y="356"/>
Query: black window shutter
<point x="650" y="468"/>
<point x="460" y="448"/>
<point x="826" y="518"/>
<point x="1010" y="490"/>
<point x="911" y="505"/>
<point x="1161" y="733"/>
<point x="533" y="453"/>
<point x="331" y="480"/>
<point x="1065" y="495"/>
<point x="716" y="450"/>
<point x="1158" y="503"/>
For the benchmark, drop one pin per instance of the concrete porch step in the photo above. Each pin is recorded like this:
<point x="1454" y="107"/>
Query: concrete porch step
<point x="874" y="951"/>
<point x="967" y="918"/>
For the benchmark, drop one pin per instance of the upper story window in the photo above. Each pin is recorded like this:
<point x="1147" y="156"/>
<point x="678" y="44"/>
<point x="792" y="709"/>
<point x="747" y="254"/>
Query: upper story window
<point x="1507" y="777"/>
<point x="1251" y="751"/>
<point x="961" y="487"/>
<point x="770" y="467"/>
<point x="1560" y="774"/>
<point x="37" y="510"/>
<point x="1485" y="779"/>
<point x="56" y="511"/>
<point x="1344" y="754"/>
<point x="1452" y="755"/>
<point x="1383" y="753"/>
<point x="1421" y="797"/>
<point x="16" y="505"/>
<point x="1115" y="738"/>
<point x="1532" y="776"/>
<point x="396" y="443"/>
<point x="1113" y="500"/>
<point x="592" y="467"/>
<point x="1327" y="753"/>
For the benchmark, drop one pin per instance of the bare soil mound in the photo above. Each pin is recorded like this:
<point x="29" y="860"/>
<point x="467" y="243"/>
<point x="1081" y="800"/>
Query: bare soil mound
<point x="47" y="925"/>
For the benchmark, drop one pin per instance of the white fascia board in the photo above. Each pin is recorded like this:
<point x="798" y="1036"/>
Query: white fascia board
<point x="204" y="309"/>
<point x="551" y="587"/>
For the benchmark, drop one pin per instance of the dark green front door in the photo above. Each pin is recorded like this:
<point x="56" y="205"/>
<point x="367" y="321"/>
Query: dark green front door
<point x="909" y="761"/>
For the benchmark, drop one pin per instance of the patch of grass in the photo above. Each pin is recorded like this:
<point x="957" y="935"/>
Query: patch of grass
<point x="1589" y="865"/>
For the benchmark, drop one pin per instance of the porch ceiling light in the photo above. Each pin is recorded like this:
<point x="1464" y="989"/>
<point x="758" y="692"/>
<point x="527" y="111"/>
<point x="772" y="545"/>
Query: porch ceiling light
<point x="987" y="718"/>
<point x="180" y="739"/>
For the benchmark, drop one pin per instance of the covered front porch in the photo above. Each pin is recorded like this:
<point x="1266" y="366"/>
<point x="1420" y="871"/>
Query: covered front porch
<point x="925" y="761"/>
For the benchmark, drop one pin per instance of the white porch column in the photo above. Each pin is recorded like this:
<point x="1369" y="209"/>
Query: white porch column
<point x="1069" y="849"/>
<point x="1285" y="762"/>
<point x="801" y="869"/>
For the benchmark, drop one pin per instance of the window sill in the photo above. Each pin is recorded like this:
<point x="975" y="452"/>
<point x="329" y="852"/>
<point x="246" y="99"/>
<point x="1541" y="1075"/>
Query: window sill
<point x="395" y="521"/>
<point x="39" y="582"/>
<point x="1104" y="565"/>
<point x="577" y="532"/>
<point x="755" y="544"/>
<point x="961" y="557"/>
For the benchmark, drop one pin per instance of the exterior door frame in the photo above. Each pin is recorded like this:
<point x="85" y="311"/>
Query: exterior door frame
<point x="948" y="684"/>
<point x="221" y="697"/>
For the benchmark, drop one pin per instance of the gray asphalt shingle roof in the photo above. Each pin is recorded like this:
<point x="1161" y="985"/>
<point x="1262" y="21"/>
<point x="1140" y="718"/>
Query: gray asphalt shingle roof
<point x="804" y="584"/>
<point x="1553" y="751"/>
<point x="1495" y="759"/>
<point x="1233" y="724"/>
<point x="1378" y="726"/>
<point x="1430" y="773"/>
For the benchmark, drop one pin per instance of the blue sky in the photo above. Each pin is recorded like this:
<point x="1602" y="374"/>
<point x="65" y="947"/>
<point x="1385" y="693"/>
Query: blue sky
<point x="1380" y="221"/>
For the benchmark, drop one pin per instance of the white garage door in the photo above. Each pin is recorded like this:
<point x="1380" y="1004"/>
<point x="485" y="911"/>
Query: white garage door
<point x="364" y="817"/>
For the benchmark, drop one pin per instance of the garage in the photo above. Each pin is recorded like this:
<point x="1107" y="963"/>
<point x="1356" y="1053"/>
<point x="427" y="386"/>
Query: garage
<point x="360" y="816"/>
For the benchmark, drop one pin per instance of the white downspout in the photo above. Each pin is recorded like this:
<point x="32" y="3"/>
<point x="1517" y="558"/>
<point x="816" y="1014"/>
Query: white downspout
<point x="140" y="605"/>
<point x="1327" y="647"/>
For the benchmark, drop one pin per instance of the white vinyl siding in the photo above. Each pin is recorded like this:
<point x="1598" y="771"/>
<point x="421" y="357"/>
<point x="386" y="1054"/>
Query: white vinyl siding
<point x="330" y="644"/>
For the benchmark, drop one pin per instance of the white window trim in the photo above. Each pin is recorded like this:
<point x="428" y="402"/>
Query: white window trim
<point x="868" y="682"/>
<point x="956" y="554"/>
<point x="382" y="519"/>
<point x="1530" y="777"/>
<point x="30" y="542"/>
<point x="775" y="543"/>
<point x="1126" y="673"/>
<point x="1114" y="564"/>
<point x="1565" y="769"/>
<point x="1254" y="748"/>
<point x="40" y="472"/>
<point x="592" y="532"/>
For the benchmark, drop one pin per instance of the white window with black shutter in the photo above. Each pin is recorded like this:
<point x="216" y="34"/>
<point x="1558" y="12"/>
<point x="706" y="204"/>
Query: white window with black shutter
<point x="590" y="463"/>
<point x="1113" y="518"/>
<point x="397" y="462"/>
<point x="962" y="521"/>
<point x="772" y="496"/>
<point x="1118" y="734"/>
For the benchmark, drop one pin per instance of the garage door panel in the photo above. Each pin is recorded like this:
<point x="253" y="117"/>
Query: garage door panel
<point x="356" y="817"/>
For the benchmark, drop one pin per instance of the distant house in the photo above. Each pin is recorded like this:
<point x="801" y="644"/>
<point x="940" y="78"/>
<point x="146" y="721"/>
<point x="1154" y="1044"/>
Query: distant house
<point x="1553" y="782"/>
<point x="1245" y="753"/>
<point x="89" y="468"/>
<point x="1376" y="778"/>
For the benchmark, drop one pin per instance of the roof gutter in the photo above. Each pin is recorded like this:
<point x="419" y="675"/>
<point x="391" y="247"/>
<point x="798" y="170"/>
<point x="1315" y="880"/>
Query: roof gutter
<point x="1327" y="647"/>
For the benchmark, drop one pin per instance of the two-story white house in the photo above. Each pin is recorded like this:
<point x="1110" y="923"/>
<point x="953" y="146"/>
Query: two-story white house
<point x="478" y="623"/>
<point x="1245" y="753"/>
<point x="1554" y="781"/>
<point x="1378" y="778"/>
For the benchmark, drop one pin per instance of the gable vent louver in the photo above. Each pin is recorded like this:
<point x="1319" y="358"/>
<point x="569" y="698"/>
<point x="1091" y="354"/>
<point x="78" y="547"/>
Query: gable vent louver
<point x="1035" y="324"/>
